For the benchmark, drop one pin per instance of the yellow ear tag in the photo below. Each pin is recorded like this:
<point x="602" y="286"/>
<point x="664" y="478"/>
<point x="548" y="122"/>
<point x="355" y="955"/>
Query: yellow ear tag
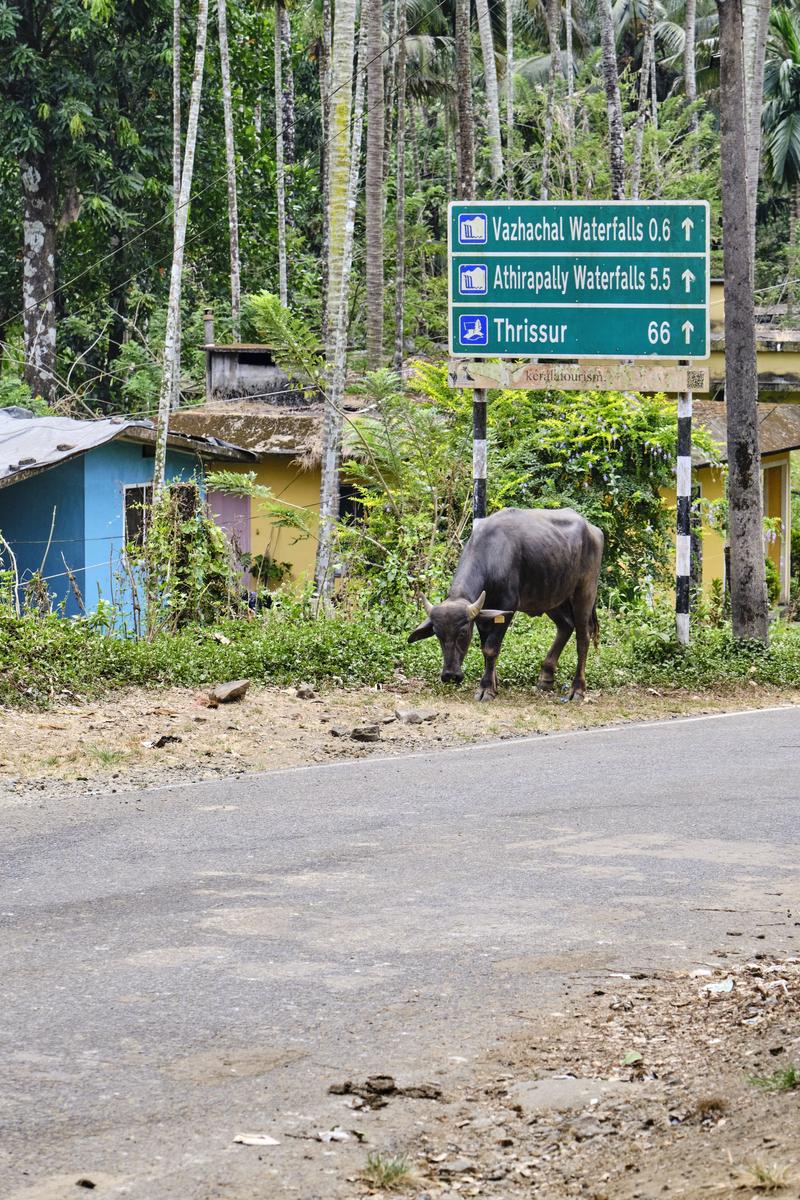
<point x="500" y="619"/>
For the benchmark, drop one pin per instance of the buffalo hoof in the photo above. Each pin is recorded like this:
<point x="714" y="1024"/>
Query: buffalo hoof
<point x="485" y="694"/>
<point x="545" y="685"/>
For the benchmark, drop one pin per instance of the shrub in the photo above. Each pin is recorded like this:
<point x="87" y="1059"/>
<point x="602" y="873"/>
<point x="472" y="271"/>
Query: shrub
<point x="607" y="455"/>
<point x="50" y="658"/>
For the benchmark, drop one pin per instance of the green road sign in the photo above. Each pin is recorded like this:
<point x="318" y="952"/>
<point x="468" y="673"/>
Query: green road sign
<point x="578" y="279"/>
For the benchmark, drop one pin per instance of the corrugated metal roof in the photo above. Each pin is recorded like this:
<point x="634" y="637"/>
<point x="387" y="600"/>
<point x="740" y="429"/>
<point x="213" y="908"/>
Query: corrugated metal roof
<point x="31" y="444"/>
<point x="778" y="425"/>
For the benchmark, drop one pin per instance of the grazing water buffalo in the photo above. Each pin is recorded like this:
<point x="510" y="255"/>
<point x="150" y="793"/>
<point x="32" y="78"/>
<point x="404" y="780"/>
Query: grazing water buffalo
<point x="520" y="560"/>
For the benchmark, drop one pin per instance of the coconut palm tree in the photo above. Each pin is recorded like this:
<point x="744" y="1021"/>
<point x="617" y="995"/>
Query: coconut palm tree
<point x="616" y="135"/>
<point x="781" y="114"/>
<point x="167" y="397"/>
<point x="374" y="182"/>
<point x="492" y="94"/>
<point x="230" y="166"/>
<point x="340" y="101"/>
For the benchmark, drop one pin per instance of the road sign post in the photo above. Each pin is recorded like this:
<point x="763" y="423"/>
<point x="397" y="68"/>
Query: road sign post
<point x="478" y="453"/>
<point x="683" y="532"/>
<point x="545" y="280"/>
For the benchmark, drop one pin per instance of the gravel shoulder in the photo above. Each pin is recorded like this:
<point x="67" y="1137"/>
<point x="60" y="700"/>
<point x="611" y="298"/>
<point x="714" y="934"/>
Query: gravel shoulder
<point x="112" y="744"/>
<point x="634" y="1088"/>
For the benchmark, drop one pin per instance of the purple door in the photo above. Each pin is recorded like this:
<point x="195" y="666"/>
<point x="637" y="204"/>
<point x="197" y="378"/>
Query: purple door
<point x="232" y="513"/>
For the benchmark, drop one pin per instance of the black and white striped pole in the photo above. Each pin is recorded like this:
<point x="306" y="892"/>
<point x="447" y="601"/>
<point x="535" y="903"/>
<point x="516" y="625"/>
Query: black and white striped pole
<point x="683" y="549"/>
<point x="478" y="453"/>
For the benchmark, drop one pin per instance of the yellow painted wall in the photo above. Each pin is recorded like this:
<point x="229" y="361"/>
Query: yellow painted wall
<point x="290" y="484"/>
<point x="773" y="480"/>
<point x="712" y="487"/>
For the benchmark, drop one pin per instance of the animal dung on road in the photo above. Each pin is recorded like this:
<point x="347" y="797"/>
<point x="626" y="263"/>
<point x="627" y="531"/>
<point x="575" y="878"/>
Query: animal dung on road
<point x="162" y="740"/>
<point x="378" y="1089"/>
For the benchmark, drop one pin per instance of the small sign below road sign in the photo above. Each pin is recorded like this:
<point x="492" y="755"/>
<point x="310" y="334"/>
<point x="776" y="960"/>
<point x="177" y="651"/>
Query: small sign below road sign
<point x="579" y="279"/>
<point x="577" y="377"/>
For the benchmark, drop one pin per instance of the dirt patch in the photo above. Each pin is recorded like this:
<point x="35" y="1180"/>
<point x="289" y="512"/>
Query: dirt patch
<point x="138" y="738"/>
<point x="638" y="1088"/>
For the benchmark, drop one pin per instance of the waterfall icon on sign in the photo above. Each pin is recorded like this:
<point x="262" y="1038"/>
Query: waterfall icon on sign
<point x="473" y="329"/>
<point x="472" y="228"/>
<point x="472" y="279"/>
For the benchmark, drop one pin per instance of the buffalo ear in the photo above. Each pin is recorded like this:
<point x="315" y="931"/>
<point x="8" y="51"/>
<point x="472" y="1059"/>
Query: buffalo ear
<point x="422" y="631"/>
<point x="495" y="616"/>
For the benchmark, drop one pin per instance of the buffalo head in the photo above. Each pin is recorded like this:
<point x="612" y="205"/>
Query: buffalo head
<point x="452" y="622"/>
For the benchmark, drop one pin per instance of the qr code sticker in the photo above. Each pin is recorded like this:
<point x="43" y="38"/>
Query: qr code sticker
<point x="695" y="380"/>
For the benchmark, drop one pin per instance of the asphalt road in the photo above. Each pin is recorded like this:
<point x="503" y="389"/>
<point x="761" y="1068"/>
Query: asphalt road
<point x="182" y="964"/>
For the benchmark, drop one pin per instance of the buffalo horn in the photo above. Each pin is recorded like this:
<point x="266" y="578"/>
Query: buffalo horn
<point x="475" y="608"/>
<point x="426" y="604"/>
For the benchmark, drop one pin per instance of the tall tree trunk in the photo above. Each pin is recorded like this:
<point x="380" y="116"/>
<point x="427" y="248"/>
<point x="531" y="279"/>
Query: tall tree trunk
<point x="325" y="151"/>
<point x="793" y="252"/>
<point x="280" y="178"/>
<point x="466" y="117"/>
<point x="755" y="25"/>
<point x="400" y="192"/>
<point x="690" y="71"/>
<point x="338" y="373"/>
<point x="414" y="131"/>
<point x="641" y="111"/>
<point x="510" y="97"/>
<point x="341" y="100"/>
<point x="616" y="134"/>
<point x="287" y="91"/>
<point x="492" y="95"/>
<point x="554" y="42"/>
<point x="177" y="154"/>
<point x="389" y="91"/>
<point x="570" y="72"/>
<point x="352" y="200"/>
<point x="39" y="199"/>
<point x="653" y="76"/>
<point x="230" y="168"/>
<point x="748" y="581"/>
<point x="374" y="183"/>
<point x="166" y="398"/>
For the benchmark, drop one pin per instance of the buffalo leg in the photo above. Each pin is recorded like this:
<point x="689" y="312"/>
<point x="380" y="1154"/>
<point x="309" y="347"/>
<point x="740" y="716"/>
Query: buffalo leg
<point x="491" y="640"/>
<point x="583" y="608"/>
<point x="563" y="634"/>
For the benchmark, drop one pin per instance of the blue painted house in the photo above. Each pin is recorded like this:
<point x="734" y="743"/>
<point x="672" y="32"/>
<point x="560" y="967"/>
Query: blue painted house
<point x="72" y="493"/>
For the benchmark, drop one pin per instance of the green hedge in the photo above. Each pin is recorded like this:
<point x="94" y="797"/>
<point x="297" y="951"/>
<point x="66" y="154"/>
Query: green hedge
<point x="42" y="660"/>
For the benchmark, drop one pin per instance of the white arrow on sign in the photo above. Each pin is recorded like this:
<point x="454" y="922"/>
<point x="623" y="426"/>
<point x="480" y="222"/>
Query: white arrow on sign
<point x="687" y="225"/>
<point x="688" y="278"/>
<point x="687" y="328"/>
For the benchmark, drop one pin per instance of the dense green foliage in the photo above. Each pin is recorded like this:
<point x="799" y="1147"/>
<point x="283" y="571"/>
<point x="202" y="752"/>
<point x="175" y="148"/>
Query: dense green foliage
<point x="605" y="454"/>
<point x="90" y="83"/>
<point x="45" y="660"/>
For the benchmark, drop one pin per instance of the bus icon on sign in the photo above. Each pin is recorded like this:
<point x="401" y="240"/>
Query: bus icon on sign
<point x="472" y="279"/>
<point x="473" y="329"/>
<point x="472" y="229"/>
